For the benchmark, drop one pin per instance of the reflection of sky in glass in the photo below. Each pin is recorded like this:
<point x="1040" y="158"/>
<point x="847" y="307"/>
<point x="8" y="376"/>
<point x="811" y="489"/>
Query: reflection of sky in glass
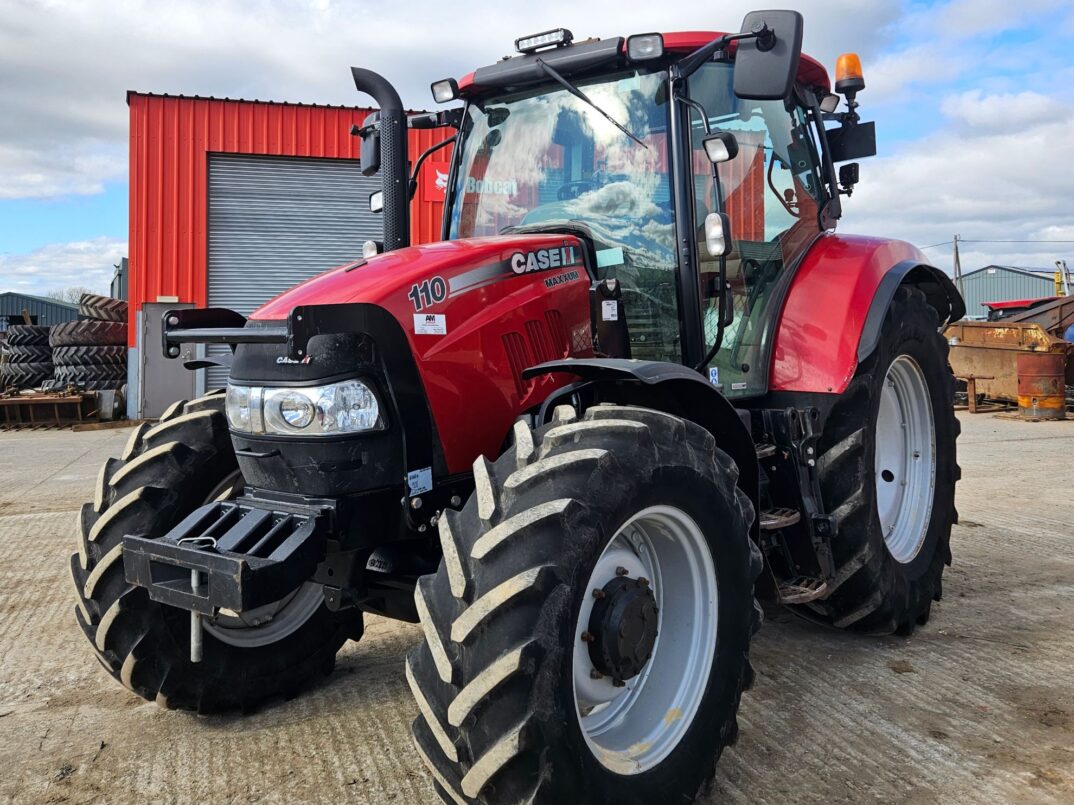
<point x="542" y="135"/>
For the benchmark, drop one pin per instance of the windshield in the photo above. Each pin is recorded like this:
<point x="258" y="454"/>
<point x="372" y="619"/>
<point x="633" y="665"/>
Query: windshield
<point x="545" y="157"/>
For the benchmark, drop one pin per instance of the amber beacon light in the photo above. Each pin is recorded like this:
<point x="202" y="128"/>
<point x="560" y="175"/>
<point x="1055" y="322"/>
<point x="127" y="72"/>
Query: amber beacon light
<point x="849" y="79"/>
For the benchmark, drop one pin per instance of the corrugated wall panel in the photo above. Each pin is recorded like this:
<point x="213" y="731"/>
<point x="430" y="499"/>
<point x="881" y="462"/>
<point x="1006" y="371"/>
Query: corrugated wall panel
<point x="275" y="221"/>
<point x="170" y="142"/>
<point x="1001" y="286"/>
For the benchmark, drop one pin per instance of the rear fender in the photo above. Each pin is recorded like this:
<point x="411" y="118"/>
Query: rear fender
<point x="666" y="387"/>
<point x="836" y="305"/>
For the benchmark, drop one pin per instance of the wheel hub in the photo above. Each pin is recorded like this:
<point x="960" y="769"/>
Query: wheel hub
<point x="623" y="627"/>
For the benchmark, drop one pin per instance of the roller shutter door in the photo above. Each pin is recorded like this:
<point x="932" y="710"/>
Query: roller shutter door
<point x="275" y="221"/>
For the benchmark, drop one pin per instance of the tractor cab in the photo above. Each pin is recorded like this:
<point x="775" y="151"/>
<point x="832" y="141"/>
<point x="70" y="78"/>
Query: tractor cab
<point x="693" y="193"/>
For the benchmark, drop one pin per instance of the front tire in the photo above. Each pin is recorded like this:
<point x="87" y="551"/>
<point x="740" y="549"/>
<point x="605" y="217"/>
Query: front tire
<point x="166" y="471"/>
<point x="518" y="677"/>
<point x="887" y="470"/>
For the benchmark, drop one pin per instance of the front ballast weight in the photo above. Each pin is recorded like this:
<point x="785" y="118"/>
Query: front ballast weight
<point x="228" y="555"/>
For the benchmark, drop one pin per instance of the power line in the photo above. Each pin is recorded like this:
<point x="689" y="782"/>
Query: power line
<point x="968" y="240"/>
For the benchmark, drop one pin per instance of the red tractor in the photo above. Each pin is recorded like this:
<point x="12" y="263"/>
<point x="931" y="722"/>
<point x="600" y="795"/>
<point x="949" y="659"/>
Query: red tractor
<point x="639" y="385"/>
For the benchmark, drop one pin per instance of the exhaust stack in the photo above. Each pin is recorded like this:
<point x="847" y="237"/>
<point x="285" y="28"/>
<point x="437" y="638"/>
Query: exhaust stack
<point x="389" y="143"/>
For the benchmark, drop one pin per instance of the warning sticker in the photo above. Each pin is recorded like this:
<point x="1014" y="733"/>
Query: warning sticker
<point x="430" y="324"/>
<point x="609" y="310"/>
<point x="714" y="375"/>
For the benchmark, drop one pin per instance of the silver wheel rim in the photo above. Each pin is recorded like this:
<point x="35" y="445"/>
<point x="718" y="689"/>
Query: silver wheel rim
<point x="905" y="459"/>
<point x="272" y="622"/>
<point x="633" y="728"/>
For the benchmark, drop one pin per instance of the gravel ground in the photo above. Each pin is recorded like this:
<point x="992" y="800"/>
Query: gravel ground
<point x="977" y="706"/>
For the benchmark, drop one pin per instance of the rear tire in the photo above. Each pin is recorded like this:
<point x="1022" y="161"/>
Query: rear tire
<point x="90" y="356"/>
<point x="27" y="353"/>
<point x="88" y="332"/>
<point x="102" y="308"/>
<point x="27" y="334"/>
<point x="25" y="375"/>
<point x="874" y="591"/>
<point x="497" y="675"/>
<point x="166" y="471"/>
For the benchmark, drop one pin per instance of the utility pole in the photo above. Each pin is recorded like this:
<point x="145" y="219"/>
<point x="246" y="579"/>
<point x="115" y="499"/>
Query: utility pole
<point x="958" y="270"/>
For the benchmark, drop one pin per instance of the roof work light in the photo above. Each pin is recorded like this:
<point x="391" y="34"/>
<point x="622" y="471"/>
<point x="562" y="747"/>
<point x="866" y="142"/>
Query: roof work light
<point x="445" y="90"/>
<point x="557" y="36"/>
<point x="642" y="47"/>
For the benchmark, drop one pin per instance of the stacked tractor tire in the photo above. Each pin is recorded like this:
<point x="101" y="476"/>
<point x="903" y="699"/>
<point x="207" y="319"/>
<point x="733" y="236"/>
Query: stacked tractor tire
<point x="26" y="360"/>
<point x="91" y="353"/>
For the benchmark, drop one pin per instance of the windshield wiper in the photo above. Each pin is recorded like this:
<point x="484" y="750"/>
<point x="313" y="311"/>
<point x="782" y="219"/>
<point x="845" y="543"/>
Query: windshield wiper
<point x="577" y="93"/>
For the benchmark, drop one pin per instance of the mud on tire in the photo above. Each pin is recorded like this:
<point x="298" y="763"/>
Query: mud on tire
<point x="873" y="592"/>
<point x="167" y="470"/>
<point x="493" y="676"/>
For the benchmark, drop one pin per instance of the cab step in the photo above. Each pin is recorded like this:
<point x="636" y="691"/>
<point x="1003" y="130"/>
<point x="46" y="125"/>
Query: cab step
<point x="775" y="519"/>
<point x="802" y="590"/>
<point x="765" y="450"/>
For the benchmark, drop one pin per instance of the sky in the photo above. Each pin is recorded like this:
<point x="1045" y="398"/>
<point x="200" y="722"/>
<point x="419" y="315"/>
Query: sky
<point x="973" y="101"/>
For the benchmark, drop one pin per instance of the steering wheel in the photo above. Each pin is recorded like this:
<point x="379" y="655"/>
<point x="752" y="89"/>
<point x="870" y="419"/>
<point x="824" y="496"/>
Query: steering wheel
<point x="571" y="190"/>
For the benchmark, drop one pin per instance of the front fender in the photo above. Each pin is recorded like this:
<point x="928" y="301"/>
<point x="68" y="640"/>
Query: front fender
<point x="836" y="305"/>
<point x="667" y="387"/>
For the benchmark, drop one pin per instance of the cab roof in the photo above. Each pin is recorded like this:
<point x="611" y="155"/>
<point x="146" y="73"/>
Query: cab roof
<point x="810" y="71"/>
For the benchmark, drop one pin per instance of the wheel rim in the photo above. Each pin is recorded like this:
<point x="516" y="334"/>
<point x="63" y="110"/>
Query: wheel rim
<point x="905" y="459"/>
<point x="632" y="728"/>
<point x="269" y="623"/>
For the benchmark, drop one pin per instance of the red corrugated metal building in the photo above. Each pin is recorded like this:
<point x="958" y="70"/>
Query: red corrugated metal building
<point x="214" y="182"/>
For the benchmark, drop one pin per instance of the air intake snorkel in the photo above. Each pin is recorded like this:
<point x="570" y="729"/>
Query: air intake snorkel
<point x="384" y="148"/>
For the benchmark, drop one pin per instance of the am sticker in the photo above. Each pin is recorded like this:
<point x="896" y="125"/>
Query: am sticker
<point x="430" y="324"/>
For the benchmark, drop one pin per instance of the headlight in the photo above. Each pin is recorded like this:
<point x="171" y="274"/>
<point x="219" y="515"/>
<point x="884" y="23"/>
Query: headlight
<point x="346" y="407"/>
<point x="237" y="407"/>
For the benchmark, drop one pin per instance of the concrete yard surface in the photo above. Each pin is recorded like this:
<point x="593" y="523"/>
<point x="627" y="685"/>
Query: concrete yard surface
<point x="976" y="706"/>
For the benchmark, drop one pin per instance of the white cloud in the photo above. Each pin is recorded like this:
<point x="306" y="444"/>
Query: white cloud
<point x="61" y="265"/>
<point x="65" y="66"/>
<point x="978" y="113"/>
<point x="997" y="171"/>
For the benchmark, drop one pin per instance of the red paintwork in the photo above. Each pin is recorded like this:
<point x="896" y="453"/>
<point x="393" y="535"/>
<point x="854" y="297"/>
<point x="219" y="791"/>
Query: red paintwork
<point x="470" y="383"/>
<point x="170" y="141"/>
<point x="810" y="71"/>
<point x="1017" y="303"/>
<point x="816" y="346"/>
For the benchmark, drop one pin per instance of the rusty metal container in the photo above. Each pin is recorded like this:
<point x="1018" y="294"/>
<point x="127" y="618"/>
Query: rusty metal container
<point x="1041" y="393"/>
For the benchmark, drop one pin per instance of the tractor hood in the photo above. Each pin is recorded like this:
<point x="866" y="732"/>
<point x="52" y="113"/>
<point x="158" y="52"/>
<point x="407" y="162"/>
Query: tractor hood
<point x="454" y="324"/>
<point x="427" y="278"/>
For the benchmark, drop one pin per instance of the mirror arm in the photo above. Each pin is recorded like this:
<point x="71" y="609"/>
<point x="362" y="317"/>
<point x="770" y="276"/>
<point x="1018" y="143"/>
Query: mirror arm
<point x="721" y="298"/>
<point x="833" y="206"/>
<point x="412" y="185"/>
<point x="688" y="65"/>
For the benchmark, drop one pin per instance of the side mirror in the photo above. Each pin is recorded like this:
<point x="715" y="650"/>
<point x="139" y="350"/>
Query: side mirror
<point x="765" y="66"/>
<point x="718" y="234"/>
<point x="369" y="153"/>
<point x="376" y="201"/>
<point x="720" y="147"/>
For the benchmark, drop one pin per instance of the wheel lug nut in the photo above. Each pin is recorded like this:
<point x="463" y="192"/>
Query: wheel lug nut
<point x="598" y="594"/>
<point x="595" y="674"/>
<point x="622" y="571"/>
<point x="618" y="683"/>
<point x="587" y="637"/>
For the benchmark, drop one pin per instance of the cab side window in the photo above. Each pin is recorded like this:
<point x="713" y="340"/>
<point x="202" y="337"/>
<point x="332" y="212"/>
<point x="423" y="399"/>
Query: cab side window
<point x="772" y="192"/>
